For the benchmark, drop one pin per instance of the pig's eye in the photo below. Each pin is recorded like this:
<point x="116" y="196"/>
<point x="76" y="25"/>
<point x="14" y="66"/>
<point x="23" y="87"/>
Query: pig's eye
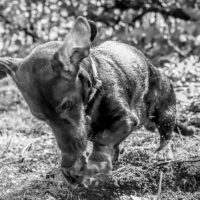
<point x="65" y="105"/>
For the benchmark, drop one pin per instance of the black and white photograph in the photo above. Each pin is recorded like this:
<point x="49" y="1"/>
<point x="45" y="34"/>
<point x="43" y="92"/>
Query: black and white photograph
<point x="99" y="99"/>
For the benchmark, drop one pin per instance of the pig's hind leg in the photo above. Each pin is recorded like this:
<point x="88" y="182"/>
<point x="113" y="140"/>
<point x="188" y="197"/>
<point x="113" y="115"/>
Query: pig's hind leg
<point x="165" y="119"/>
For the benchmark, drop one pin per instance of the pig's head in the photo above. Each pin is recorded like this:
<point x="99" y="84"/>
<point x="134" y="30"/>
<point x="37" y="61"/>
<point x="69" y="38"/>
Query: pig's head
<point x="49" y="80"/>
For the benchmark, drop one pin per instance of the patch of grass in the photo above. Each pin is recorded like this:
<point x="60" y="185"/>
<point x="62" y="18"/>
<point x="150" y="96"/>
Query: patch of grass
<point x="30" y="159"/>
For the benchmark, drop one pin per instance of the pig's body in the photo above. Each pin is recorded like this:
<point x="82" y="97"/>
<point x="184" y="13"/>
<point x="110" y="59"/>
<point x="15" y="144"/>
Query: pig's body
<point x="57" y="80"/>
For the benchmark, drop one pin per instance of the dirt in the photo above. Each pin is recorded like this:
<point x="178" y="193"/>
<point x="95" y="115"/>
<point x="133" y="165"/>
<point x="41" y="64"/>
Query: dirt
<point x="29" y="157"/>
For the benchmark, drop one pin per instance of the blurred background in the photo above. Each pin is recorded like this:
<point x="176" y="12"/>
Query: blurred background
<point x="160" y="28"/>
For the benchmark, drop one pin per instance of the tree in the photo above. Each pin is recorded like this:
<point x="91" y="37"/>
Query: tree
<point x="153" y="25"/>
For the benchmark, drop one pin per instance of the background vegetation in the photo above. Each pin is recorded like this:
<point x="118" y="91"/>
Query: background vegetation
<point x="158" y="27"/>
<point x="168" y="32"/>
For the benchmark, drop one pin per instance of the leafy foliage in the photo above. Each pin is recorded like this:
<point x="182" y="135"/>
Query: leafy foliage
<point x="157" y="27"/>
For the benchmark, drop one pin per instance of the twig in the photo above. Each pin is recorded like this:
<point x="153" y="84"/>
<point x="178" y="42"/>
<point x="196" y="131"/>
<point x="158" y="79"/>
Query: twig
<point x="176" y="161"/>
<point x="12" y="162"/>
<point x="7" y="146"/>
<point x="179" y="133"/>
<point x="160" y="185"/>
<point x="29" y="145"/>
<point x="120" y="169"/>
<point x="177" y="49"/>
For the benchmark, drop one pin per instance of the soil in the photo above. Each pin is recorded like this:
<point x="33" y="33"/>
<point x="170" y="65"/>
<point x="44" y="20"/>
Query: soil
<point x="29" y="157"/>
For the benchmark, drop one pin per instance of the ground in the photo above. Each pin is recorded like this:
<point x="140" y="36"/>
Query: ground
<point x="29" y="157"/>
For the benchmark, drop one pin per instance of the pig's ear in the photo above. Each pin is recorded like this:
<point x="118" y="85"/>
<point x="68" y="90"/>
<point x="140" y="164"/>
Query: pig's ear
<point x="9" y="66"/>
<point x="77" y="43"/>
<point x="93" y="29"/>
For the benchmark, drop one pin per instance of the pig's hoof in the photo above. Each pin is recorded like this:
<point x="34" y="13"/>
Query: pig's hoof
<point x="165" y="153"/>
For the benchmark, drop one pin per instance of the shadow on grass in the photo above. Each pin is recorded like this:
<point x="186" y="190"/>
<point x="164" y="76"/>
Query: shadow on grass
<point x="134" y="174"/>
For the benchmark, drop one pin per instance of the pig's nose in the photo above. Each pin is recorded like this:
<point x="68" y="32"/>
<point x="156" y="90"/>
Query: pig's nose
<point x="71" y="178"/>
<point x="74" y="174"/>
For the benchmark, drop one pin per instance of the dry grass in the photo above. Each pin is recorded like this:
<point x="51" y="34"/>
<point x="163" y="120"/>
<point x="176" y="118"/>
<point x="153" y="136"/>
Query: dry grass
<point x="29" y="159"/>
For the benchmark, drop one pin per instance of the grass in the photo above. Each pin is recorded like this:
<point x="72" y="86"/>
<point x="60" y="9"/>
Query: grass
<point x="29" y="157"/>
